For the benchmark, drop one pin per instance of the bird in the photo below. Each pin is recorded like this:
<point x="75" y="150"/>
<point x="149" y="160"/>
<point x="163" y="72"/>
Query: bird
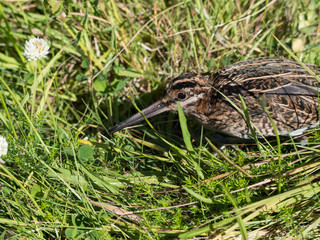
<point x="276" y="88"/>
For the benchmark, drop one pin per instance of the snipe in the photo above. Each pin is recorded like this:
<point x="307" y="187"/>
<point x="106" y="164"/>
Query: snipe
<point x="280" y="86"/>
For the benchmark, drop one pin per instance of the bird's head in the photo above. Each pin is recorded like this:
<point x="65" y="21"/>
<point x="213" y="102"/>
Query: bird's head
<point x="187" y="89"/>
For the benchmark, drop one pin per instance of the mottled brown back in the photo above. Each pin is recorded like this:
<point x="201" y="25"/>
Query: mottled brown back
<point x="285" y="88"/>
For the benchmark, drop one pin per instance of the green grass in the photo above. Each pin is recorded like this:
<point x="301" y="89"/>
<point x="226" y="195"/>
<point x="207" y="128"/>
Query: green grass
<point x="63" y="177"/>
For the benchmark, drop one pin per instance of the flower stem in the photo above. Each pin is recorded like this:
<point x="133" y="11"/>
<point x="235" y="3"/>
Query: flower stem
<point x="34" y="89"/>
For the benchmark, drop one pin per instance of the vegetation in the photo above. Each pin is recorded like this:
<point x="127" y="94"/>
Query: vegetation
<point x="65" y="177"/>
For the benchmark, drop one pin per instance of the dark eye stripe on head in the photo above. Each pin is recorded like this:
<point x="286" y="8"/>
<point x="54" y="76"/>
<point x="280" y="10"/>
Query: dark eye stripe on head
<point x="181" y="85"/>
<point x="184" y="76"/>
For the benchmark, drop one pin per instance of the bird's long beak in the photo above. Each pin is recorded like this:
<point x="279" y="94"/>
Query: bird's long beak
<point x="153" y="110"/>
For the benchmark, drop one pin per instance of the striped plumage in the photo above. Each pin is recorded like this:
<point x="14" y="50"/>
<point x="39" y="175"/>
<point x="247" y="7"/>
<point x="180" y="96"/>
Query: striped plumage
<point x="280" y="86"/>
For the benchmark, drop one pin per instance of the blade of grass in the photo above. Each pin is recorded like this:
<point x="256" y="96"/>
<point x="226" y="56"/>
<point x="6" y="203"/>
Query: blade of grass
<point x="198" y="196"/>
<point x="38" y="208"/>
<point x="241" y="224"/>
<point x="25" y="114"/>
<point x="8" y="116"/>
<point x="278" y="144"/>
<point x="228" y="160"/>
<point x="247" y="117"/>
<point x="311" y="227"/>
<point x="187" y="141"/>
<point x="184" y="129"/>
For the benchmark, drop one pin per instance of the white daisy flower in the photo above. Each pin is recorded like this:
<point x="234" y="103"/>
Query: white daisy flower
<point x="35" y="49"/>
<point x="3" y="148"/>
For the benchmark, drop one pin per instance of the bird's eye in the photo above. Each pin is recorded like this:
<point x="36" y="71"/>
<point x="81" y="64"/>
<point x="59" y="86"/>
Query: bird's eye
<point x="182" y="95"/>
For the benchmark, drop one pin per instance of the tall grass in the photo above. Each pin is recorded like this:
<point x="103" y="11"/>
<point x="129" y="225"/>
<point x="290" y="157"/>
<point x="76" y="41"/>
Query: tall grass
<point x="64" y="177"/>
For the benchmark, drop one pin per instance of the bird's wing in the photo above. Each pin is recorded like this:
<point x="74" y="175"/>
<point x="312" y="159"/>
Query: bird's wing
<point x="288" y="91"/>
